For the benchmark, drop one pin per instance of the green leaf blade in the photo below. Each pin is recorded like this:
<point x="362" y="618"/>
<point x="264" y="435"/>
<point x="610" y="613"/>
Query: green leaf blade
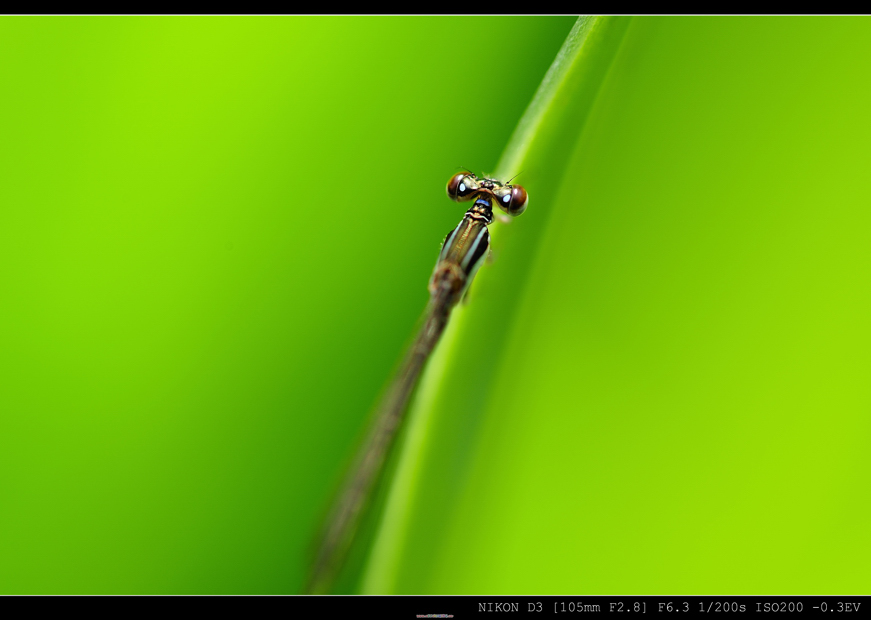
<point x="567" y="92"/>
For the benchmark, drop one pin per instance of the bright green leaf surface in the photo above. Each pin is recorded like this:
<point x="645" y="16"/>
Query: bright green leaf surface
<point x="661" y="384"/>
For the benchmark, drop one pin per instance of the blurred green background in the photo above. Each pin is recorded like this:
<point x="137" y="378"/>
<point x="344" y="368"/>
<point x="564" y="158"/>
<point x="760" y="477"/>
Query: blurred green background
<point x="215" y="240"/>
<point x="215" y="237"/>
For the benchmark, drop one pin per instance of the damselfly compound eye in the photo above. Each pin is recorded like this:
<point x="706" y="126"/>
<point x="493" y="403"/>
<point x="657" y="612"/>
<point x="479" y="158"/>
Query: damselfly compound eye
<point x="462" y="186"/>
<point x="512" y="199"/>
<point x="519" y="200"/>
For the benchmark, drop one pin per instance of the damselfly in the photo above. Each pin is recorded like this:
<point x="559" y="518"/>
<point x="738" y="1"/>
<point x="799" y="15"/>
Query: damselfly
<point x="463" y="251"/>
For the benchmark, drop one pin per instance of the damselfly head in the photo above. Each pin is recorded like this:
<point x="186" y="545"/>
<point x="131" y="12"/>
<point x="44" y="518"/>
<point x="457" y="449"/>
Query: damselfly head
<point x="511" y="198"/>
<point x="463" y="186"/>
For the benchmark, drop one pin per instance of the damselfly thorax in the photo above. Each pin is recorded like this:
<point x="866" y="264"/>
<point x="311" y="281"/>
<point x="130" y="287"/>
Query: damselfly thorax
<point x="463" y="251"/>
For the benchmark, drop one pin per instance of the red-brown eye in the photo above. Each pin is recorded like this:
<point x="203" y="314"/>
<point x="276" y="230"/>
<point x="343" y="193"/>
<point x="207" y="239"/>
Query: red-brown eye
<point x="462" y="186"/>
<point x="519" y="199"/>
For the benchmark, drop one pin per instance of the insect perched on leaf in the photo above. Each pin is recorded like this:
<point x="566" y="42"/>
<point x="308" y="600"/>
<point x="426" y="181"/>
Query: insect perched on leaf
<point x="462" y="253"/>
